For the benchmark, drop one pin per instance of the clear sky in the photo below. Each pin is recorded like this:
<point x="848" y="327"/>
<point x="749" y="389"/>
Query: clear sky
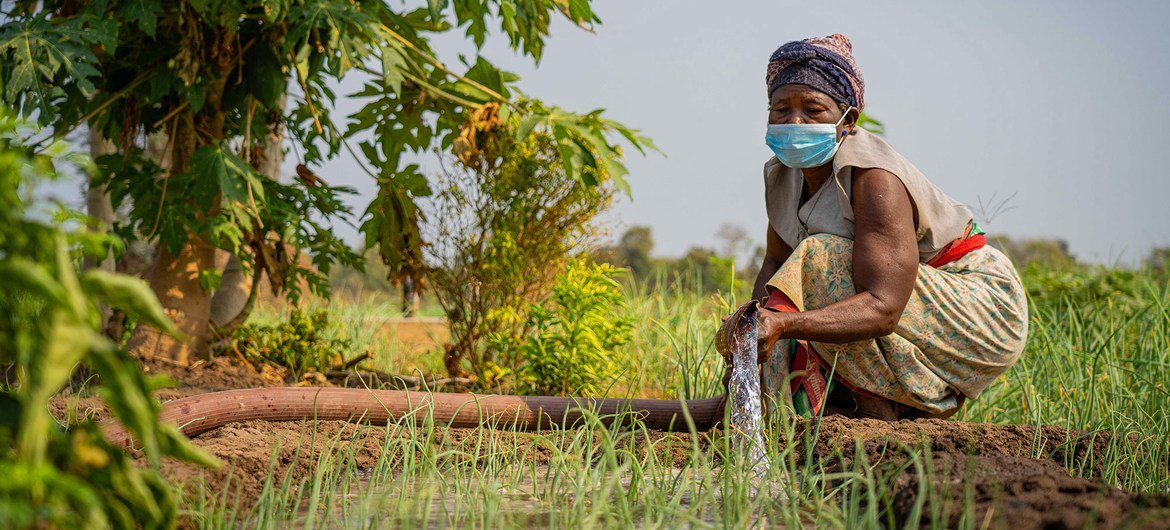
<point x="1062" y="106"/>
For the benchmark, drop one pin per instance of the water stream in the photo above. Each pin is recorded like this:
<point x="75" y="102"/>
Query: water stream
<point x="746" y="407"/>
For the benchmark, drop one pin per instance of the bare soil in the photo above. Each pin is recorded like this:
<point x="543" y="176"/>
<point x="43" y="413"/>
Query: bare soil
<point x="414" y="335"/>
<point x="1016" y="474"/>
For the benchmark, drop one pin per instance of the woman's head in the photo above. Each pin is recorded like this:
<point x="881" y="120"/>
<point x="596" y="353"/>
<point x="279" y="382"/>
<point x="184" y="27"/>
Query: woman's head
<point x="824" y="64"/>
<point x="815" y="96"/>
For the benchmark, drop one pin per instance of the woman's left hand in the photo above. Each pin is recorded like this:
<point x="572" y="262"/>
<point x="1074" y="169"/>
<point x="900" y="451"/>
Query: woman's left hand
<point x="771" y="326"/>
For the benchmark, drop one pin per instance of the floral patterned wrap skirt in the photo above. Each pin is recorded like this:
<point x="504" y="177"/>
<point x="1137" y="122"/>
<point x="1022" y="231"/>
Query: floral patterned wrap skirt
<point x="966" y="322"/>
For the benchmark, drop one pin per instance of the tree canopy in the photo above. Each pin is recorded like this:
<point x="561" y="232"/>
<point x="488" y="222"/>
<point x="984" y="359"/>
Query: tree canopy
<point x="215" y="77"/>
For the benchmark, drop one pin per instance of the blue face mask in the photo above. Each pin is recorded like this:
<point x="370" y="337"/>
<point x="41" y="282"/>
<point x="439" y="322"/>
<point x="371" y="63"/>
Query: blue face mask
<point x="804" y="145"/>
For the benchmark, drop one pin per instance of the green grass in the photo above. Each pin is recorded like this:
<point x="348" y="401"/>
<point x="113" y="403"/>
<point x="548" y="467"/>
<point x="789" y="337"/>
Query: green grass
<point x="1094" y="362"/>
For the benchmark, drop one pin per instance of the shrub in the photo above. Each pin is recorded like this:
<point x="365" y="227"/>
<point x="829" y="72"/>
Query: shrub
<point x="306" y="341"/>
<point x="571" y="344"/>
<point x="498" y="236"/>
<point x="1084" y="285"/>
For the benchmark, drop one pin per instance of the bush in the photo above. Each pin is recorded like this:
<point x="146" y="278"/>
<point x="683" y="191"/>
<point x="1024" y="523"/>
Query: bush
<point x="571" y="344"/>
<point x="1084" y="285"/>
<point x="498" y="236"/>
<point x="307" y="341"/>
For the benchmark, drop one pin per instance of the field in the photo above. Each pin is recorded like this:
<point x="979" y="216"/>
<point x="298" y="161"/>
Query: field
<point x="1075" y="436"/>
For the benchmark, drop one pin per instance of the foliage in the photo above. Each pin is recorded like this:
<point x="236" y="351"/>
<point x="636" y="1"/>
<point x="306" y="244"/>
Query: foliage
<point x="212" y="76"/>
<point x="707" y="270"/>
<point x="499" y="236"/>
<point x="1041" y="253"/>
<point x="1085" y="285"/>
<point x="573" y="338"/>
<point x="307" y="341"/>
<point x="1158" y="261"/>
<point x="49" y="325"/>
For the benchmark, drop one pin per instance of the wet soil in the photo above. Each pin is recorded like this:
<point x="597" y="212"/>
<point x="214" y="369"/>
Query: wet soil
<point x="1016" y="475"/>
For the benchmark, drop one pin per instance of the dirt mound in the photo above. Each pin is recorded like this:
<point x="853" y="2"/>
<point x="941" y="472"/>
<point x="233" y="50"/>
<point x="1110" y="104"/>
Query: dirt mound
<point x="1017" y="493"/>
<point x="220" y="373"/>
<point x="1069" y="448"/>
<point x="1015" y="474"/>
<point x="249" y="450"/>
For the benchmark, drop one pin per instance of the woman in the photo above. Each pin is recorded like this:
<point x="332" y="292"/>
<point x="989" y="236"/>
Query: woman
<point x="881" y="298"/>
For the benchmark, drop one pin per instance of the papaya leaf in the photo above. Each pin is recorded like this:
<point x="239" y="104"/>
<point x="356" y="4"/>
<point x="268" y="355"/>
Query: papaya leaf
<point x="265" y="80"/>
<point x="144" y="13"/>
<point x="393" y="66"/>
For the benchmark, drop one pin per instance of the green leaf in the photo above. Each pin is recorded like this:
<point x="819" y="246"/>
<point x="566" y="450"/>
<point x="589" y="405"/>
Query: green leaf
<point x="128" y="294"/>
<point x="436" y="7"/>
<point x="265" y="80"/>
<point x="393" y="65"/>
<point x="486" y="74"/>
<point x="142" y="12"/>
<point x="44" y="56"/>
<point x="231" y="175"/>
<point x="527" y="125"/>
<point x="210" y="279"/>
<point x="20" y="273"/>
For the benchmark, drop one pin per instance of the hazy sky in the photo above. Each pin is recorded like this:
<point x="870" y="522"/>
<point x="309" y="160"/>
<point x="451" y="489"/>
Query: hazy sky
<point x="1062" y="106"/>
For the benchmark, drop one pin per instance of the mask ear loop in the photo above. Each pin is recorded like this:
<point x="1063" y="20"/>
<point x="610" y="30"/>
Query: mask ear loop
<point x="842" y="120"/>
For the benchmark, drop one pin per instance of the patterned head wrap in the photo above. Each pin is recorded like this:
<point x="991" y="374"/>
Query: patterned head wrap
<point x="824" y="63"/>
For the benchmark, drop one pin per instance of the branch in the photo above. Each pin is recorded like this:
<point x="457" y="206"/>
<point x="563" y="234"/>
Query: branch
<point x="142" y="78"/>
<point x="439" y="64"/>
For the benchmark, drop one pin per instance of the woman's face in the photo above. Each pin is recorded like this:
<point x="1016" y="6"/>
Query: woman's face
<point x="798" y="104"/>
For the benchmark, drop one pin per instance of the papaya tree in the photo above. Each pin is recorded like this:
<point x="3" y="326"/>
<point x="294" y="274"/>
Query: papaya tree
<point x="209" y="76"/>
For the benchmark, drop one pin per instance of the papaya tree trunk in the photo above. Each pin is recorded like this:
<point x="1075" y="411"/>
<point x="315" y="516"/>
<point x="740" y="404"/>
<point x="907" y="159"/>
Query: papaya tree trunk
<point x="230" y="304"/>
<point x="100" y="209"/>
<point x="98" y="204"/>
<point x="175" y="280"/>
<point x="410" y="298"/>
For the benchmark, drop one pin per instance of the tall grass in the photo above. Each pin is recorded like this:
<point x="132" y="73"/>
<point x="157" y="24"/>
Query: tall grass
<point x="1093" y="365"/>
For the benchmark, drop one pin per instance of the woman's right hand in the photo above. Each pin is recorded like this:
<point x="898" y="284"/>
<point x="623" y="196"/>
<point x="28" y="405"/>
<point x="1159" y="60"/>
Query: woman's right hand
<point x="771" y="326"/>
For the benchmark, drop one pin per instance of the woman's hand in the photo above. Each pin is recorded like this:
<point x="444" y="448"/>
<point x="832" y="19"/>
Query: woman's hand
<point x="771" y="325"/>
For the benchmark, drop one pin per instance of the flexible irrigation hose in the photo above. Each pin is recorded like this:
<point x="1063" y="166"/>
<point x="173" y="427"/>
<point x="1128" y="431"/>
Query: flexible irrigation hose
<point x="198" y="414"/>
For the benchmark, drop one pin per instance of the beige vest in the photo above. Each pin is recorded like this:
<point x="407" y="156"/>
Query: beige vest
<point x="941" y="219"/>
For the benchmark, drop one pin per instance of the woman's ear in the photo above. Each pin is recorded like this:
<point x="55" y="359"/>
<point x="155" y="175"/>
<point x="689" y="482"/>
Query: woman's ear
<point x="851" y="117"/>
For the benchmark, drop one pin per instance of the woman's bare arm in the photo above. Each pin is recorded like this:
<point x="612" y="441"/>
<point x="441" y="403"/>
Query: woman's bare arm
<point x="885" y="266"/>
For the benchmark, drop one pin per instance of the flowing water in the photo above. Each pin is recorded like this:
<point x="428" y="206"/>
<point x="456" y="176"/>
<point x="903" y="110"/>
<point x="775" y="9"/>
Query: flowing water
<point x="746" y="407"/>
